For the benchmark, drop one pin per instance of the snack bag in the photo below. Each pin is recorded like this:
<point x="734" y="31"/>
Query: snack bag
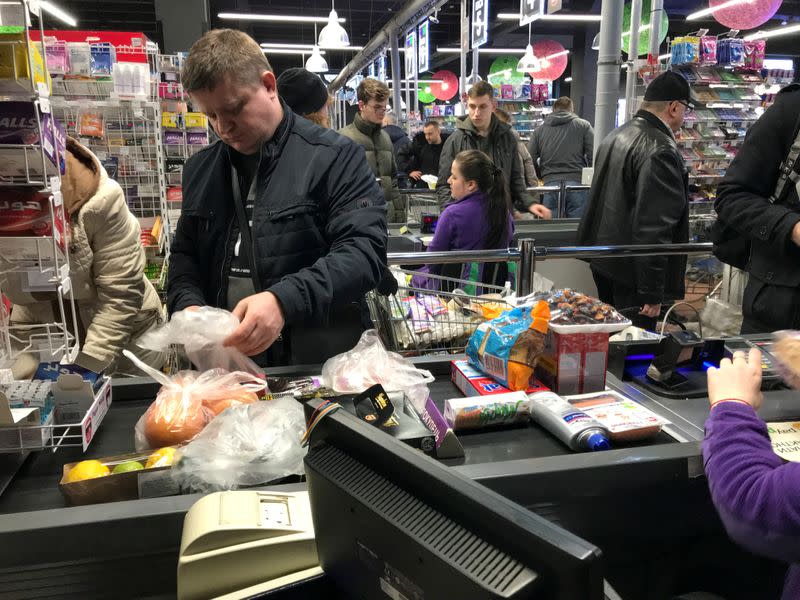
<point x="708" y="50"/>
<point x="508" y="347"/>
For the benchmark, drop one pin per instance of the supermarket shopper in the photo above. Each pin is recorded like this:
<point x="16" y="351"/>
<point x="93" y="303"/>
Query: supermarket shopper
<point x="772" y="297"/>
<point x="531" y="180"/>
<point x="305" y="93"/>
<point x="426" y="149"/>
<point x="482" y="130"/>
<point x="757" y="493"/>
<point x="561" y="147"/>
<point x="639" y="195"/>
<point x="478" y="218"/>
<point x="115" y="303"/>
<point x="278" y="193"/>
<point x="401" y="145"/>
<point x="367" y="130"/>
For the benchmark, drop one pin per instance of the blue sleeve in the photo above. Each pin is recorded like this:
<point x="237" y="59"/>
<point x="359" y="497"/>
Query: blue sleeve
<point x="756" y="493"/>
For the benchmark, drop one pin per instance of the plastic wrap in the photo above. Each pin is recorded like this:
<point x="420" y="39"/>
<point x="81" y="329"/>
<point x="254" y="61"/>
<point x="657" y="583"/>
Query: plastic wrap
<point x="786" y="351"/>
<point x="201" y="331"/>
<point x="244" y="446"/>
<point x="573" y="312"/>
<point x="369" y="363"/>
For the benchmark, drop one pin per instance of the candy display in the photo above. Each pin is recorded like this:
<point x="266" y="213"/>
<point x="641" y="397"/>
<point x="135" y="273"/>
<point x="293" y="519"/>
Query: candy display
<point x="708" y="50"/>
<point x="508" y="347"/>
<point x="568" y="307"/>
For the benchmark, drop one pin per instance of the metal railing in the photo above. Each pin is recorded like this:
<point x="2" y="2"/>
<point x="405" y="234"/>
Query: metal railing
<point x="527" y="254"/>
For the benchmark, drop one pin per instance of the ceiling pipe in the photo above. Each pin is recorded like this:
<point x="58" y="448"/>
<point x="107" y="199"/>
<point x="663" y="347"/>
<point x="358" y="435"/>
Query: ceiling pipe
<point x="413" y="12"/>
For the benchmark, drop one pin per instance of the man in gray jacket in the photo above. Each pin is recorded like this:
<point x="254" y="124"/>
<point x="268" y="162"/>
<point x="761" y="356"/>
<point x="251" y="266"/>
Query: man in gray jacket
<point x="560" y="149"/>
<point x="483" y="131"/>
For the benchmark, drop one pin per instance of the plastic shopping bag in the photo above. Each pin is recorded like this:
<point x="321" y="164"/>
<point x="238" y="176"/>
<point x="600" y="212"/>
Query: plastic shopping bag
<point x="201" y="331"/>
<point x="244" y="446"/>
<point x="369" y="363"/>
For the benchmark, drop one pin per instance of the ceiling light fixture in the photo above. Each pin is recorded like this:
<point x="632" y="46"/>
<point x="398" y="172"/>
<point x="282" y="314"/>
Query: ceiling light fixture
<point x="568" y="80"/>
<point x="290" y="50"/>
<point x="333" y="35"/>
<point x="712" y="9"/>
<point x="58" y="13"/>
<point x="761" y="35"/>
<point x="558" y="17"/>
<point x="276" y="18"/>
<point x="529" y="62"/>
<point x="315" y="62"/>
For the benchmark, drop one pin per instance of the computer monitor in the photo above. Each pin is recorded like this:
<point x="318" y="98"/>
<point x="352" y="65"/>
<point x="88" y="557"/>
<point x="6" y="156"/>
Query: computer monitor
<point x="391" y="522"/>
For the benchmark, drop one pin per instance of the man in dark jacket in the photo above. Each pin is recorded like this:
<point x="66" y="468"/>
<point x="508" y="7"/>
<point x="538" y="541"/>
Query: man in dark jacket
<point x="640" y="196"/>
<point x="560" y="148"/>
<point x="401" y="145"/>
<point x="426" y="149"/>
<point x="772" y="296"/>
<point x="367" y="131"/>
<point x="482" y="130"/>
<point x="283" y="222"/>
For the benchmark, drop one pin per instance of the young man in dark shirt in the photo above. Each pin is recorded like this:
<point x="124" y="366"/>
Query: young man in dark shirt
<point x="426" y="149"/>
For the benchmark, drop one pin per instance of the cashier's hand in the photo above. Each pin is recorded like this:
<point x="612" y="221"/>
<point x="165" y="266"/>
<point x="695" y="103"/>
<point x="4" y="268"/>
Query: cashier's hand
<point x="650" y="310"/>
<point x="737" y="379"/>
<point x="540" y="211"/>
<point x="416" y="175"/>
<point x="260" y="323"/>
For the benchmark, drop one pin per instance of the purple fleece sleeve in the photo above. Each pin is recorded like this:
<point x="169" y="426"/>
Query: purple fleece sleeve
<point x="756" y="493"/>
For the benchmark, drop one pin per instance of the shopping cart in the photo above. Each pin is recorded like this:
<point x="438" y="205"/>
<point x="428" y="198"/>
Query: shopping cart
<point x="438" y="320"/>
<point x="420" y="202"/>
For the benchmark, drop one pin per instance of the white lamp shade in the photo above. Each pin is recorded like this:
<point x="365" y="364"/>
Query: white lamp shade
<point x="316" y="63"/>
<point x="528" y="62"/>
<point x="333" y="34"/>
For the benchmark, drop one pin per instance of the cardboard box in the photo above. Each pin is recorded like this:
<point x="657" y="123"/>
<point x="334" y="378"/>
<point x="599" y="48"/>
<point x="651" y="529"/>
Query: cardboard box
<point x="473" y="382"/>
<point x="19" y="125"/>
<point x="73" y="397"/>
<point x="574" y="363"/>
<point x="22" y="429"/>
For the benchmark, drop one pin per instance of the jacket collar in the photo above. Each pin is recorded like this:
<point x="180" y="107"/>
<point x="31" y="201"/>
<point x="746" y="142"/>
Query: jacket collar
<point x="496" y="128"/>
<point x="365" y="127"/>
<point x="655" y="121"/>
<point x="477" y="195"/>
<point x="82" y="176"/>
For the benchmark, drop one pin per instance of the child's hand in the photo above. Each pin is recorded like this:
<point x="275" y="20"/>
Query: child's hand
<point x="739" y="379"/>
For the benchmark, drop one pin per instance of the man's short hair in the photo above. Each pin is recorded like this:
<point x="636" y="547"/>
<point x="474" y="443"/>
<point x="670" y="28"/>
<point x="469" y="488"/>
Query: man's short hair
<point x="482" y="88"/>
<point x="431" y="123"/>
<point x="564" y="103"/>
<point x="372" y="89"/>
<point x="654" y="106"/>
<point x="223" y="53"/>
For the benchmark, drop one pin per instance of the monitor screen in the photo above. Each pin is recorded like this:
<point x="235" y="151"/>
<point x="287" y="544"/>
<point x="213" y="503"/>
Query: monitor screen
<point x="391" y="522"/>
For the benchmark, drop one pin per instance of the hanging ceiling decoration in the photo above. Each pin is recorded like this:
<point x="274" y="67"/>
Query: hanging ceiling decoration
<point x="447" y="88"/>
<point x="644" y="28"/>
<point x="552" y="60"/>
<point x="746" y="14"/>
<point x="504" y="71"/>
<point x="425" y="93"/>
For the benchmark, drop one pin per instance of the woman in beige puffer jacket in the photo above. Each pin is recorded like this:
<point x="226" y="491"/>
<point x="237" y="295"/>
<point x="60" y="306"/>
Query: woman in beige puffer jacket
<point x="115" y="302"/>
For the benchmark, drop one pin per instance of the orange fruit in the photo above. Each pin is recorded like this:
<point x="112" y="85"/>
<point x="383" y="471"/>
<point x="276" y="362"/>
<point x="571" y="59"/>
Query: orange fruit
<point x="86" y="469"/>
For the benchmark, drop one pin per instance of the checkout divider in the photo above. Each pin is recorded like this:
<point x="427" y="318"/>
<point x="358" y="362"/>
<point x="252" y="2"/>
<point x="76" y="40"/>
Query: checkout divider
<point x="645" y="505"/>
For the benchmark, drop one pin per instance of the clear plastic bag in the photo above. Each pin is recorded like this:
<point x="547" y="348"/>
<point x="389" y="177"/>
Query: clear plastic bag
<point x="201" y="331"/>
<point x="369" y="363"/>
<point x="189" y="401"/>
<point x="244" y="446"/>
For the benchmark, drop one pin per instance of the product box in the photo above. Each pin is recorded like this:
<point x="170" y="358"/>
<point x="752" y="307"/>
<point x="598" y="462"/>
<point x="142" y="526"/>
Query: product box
<point x="131" y="485"/>
<point x="574" y="363"/>
<point x="25" y="215"/>
<point x="19" y="125"/>
<point x="507" y="91"/>
<point x="73" y="397"/>
<point x="473" y="382"/>
<point x="14" y="74"/>
<point x="447" y="444"/>
<point x="21" y="428"/>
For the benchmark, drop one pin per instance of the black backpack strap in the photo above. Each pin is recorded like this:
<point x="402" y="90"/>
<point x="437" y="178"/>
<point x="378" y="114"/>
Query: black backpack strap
<point x="246" y="247"/>
<point x="787" y="169"/>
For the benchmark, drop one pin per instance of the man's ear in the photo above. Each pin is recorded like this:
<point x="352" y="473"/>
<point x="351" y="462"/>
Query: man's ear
<point x="268" y="81"/>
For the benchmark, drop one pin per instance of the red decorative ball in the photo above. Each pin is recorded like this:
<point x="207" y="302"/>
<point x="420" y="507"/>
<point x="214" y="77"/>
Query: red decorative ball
<point x="553" y="59"/>
<point x="449" y="86"/>
<point x="747" y="14"/>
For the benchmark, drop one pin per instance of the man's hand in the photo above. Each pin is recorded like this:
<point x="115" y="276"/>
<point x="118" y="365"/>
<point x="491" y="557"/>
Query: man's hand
<point x="261" y="322"/>
<point x="739" y="379"/>
<point x="416" y="175"/>
<point x="796" y="234"/>
<point x="540" y="210"/>
<point x="650" y="310"/>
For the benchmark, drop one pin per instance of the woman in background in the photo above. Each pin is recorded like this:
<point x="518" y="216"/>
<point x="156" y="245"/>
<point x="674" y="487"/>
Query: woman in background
<point x="305" y="93"/>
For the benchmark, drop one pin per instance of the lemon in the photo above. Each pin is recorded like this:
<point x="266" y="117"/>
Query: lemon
<point x="86" y="469"/>
<point x="126" y="467"/>
<point x="162" y="457"/>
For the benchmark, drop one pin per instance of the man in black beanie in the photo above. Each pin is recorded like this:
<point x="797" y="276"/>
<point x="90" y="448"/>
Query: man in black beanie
<point x="640" y="195"/>
<point x="306" y="95"/>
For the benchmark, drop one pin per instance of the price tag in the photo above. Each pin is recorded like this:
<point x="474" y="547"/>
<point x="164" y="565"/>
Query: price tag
<point x="44" y="105"/>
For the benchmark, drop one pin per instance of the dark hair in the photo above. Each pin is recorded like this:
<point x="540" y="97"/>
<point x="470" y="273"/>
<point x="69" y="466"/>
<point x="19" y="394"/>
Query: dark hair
<point x="476" y="166"/>
<point x="482" y="88"/>
<point x="431" y="123"/>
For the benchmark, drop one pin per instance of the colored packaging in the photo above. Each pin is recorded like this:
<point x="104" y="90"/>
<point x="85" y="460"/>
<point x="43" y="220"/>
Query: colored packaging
<point x="574" y="363"/>
<point x="511" y="408"/>
<point x="14" y="75"/>
<point x="708" y="50"/>
<point x="472" y="382"/>
<point x="625" y="419"/>
<point x="19" y="125"/>
<point x="508" y="347"/>
<point x="103" y="59"/>
<point x="91" y="124"/>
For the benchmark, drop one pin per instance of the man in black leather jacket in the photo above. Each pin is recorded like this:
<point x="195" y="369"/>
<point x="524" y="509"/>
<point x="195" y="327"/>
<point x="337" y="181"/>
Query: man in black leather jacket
<point x="303" y="197"/>
<point x="639" y="195"/>
<point x="772" y="296"/>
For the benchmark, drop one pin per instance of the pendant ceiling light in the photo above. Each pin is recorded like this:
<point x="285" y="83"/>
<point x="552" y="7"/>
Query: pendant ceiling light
<point x="316" y="63"/>
<point x="528" y="62"/>
<point x="333" y="35"/>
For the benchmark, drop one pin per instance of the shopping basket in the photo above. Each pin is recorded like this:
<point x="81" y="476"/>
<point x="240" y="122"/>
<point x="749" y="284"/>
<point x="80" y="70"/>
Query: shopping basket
<point x="418" y="321"/>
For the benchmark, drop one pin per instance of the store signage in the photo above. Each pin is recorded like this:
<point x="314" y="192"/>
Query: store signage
<point x="371" y="70"/>
<point x="382" y="67"/>
<point x="553" y="6"/>
<point x="423" y="35"/>
<point x="411" y="54"/>
<point x="530" y="10"/>
<point x="480" y="22"/>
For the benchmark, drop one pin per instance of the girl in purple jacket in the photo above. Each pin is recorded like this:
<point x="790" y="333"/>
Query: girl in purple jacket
<point x="756" y="493"/>
<point x="479" y="217"/>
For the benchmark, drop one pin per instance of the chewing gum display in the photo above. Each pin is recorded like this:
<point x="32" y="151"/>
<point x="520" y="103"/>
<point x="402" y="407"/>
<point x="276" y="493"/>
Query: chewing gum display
<point x="508" y="347"/>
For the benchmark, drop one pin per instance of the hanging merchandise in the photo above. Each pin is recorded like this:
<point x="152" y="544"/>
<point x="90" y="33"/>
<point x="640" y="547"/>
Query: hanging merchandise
<point x="644" y="28"/>
<point x="744" y="14"/>
<point x="448" y="86"/>
<point x="730" y="51"/>
<point x="708" y="50"/>
<point x="754" y="54"/>
<point x="552" y="58"/>
<point x="333" y="35"/>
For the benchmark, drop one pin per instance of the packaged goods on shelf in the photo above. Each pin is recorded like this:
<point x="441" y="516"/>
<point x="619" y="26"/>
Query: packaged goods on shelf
<point x="14" y="68"/>
<point x="24" y="124"/>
